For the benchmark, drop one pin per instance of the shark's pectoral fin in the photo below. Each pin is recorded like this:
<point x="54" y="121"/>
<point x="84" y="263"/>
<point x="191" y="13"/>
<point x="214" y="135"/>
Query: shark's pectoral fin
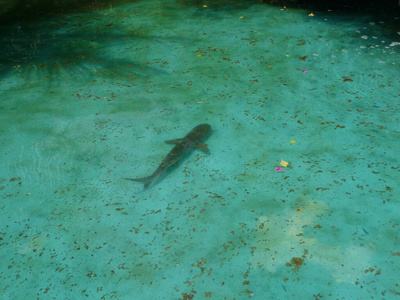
<point x="147" y="181"/>
<point x="203" y="147"/>
<point x="175" y="141"/>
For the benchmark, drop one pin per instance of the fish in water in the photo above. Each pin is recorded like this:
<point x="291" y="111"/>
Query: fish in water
<point x="193" y="140"/>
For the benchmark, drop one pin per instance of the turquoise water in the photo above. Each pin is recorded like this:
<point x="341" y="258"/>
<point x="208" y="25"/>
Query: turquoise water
<point x="89" y="97"/>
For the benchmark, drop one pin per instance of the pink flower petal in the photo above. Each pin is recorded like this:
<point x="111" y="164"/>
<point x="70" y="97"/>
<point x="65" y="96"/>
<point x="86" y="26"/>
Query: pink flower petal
<point x="278" y="169"/>
<point x="305" y="71"/>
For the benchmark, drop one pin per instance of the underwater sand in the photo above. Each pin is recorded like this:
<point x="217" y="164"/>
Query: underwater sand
<point x="88" y="98"/>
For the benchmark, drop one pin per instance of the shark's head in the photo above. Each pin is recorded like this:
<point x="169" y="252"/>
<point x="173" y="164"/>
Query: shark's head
<point x="200" y="132"/>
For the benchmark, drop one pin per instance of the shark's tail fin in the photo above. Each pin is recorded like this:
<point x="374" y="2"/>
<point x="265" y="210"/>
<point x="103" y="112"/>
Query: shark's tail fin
<point x="147" y="181"/>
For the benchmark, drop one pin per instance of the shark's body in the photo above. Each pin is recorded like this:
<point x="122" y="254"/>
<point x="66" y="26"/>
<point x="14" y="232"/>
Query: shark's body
<point x="194" y="139"/>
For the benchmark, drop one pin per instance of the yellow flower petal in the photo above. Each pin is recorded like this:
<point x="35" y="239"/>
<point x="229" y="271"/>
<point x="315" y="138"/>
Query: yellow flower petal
<point x="284" y="163"/>
<point x="292" y="141"/>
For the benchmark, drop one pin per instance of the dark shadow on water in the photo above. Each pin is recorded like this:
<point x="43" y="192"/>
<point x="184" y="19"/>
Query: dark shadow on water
<point x="56" y="44"/>
<point x="64" y="45"/>
<point x="12" y="11"/>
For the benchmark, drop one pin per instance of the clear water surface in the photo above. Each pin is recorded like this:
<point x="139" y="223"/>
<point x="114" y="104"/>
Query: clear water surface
<point x="89" y="97"/>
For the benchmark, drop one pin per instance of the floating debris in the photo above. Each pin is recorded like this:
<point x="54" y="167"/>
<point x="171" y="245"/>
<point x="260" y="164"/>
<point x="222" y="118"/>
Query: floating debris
<point x="284" y="163"/>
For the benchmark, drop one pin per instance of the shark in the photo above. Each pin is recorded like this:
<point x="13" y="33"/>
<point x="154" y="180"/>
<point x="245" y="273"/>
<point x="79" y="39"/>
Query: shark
<point x="183" y="147"/>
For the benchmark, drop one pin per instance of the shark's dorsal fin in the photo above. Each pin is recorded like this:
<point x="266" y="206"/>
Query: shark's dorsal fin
<point x="175" y="141"/>
<point x="203" y="147"/>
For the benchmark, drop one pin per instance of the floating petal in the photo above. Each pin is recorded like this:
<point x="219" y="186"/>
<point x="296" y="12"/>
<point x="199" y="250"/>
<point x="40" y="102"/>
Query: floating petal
<point x="284" y="163"/>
